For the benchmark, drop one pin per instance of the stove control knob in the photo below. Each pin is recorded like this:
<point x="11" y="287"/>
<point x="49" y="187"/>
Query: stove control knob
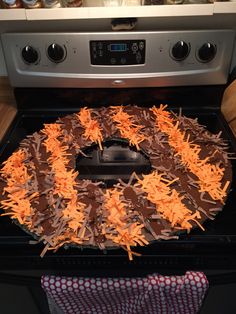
<point x="206" y="52"/>
<point x="56" y="53"/>
<point x="180" y="50"/>
<point x="30" y="55"/>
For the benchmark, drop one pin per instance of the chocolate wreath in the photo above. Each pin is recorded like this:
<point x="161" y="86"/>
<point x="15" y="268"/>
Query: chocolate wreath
<point x="188" y="182"/>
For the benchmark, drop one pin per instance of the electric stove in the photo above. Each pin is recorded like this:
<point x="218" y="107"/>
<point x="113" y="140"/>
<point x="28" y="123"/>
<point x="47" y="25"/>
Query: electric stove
<point x="56" y="74"/>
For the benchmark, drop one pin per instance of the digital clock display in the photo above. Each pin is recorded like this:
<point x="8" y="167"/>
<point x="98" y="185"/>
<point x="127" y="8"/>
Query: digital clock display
<point x="118" y="47"/>
<point x="120" y="52"/>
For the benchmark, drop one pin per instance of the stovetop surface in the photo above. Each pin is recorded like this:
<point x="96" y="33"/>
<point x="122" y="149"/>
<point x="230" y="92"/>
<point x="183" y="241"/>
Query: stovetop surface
<point x="219" y="236"/>
<point x="27" y="123"/>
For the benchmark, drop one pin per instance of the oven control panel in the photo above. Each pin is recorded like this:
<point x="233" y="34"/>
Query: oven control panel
<point x="119" y="59"/>
<point x="117" y="52"/>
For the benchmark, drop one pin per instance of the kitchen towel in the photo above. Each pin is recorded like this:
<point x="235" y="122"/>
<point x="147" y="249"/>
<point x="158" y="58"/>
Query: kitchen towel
<point x="148" y="295"/>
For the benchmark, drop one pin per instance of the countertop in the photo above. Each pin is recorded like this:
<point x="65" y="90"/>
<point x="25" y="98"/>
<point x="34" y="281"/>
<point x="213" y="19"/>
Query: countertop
<point x="228" y="106"/>
<point x="7" y="105"/>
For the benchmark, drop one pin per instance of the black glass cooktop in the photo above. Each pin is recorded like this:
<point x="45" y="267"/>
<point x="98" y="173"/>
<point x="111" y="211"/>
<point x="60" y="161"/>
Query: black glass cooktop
<point x="216" y="245"/>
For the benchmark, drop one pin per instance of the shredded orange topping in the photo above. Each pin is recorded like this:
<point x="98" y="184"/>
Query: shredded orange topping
<point x="65" y="183"/>
<point x="56" y="242"/>
<point x="209" y="175"/>
<point x="126" y="234"/>
<point x="91" y="126"/>
<point x="18" y="203"/>
<point x="127" y="127"/>
<point x="168" y="201"/>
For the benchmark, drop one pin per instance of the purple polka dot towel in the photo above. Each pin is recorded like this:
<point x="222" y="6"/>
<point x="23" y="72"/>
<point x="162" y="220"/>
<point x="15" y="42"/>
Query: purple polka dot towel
<point x="153" y="294"/>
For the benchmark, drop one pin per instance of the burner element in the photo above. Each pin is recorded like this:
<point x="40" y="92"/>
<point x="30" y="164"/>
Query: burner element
<point x="116" y="161"/>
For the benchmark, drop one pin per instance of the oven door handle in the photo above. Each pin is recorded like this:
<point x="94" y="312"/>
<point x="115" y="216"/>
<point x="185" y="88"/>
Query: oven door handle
<point x="213" y="279"/>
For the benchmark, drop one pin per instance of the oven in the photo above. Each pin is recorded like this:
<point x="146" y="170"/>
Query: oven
<point x="54" y="74"/>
